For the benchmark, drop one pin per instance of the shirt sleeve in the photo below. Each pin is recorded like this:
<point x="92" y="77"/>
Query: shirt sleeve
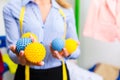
<point x="71" y="33"/>
<point x="12" y="31"/>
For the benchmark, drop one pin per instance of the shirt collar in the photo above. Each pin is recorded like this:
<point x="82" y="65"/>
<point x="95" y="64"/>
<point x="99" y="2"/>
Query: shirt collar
<point x="25" y="2"/>
<point x="54" y="3"/>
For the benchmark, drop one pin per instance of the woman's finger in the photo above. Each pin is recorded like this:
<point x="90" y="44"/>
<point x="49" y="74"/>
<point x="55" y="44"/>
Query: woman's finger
<point x="22" y="58"/>
<point x="65" y="52"/>
<point x="56" y="53"/>
<point x="40" y="63"/>
<point x="37" y="64"/>
<point x="13" y="48"/>
<point x="33" y="39"/>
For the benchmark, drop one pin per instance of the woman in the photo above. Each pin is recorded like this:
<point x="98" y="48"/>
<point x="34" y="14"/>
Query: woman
<point x="42" y="17"/>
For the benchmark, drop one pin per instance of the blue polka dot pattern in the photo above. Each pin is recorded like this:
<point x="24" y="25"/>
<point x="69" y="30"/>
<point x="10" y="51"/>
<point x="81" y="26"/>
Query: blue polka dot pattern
<point x="22" y="43"/>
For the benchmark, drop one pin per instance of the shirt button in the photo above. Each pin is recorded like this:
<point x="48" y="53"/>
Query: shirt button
<point x="42" y="27"/>
<point x="41" y="42"/>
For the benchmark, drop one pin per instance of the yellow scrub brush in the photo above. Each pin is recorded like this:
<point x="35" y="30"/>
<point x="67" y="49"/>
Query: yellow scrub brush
<point x="35" y="52"/>
<point x="71" y="45"/>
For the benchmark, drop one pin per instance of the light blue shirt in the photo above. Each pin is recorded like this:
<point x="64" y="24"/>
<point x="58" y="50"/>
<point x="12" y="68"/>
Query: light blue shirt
<point x="46" y="32"/>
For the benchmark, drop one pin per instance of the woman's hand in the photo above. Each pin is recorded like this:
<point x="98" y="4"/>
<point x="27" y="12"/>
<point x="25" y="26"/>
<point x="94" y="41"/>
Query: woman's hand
<point x="22" y="59"/>
<point x="21" y="56"/>
<point x="59" y="55"/>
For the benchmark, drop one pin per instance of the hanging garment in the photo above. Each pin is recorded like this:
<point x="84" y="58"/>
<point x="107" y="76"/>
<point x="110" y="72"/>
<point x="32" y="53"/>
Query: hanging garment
<point x="103" y="21"/>
<point x="1" y="66"/>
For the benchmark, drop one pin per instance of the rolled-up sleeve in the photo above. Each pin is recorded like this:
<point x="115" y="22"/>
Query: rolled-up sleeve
<point x="71" y="32"/>
<point x="12" y="31"/>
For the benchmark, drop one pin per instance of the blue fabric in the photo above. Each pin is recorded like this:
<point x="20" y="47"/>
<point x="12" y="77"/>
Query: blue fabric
<point x="92" y="68"/>
<point x="2" y="41"/>
<point x="5" y="68"/>
<point x="118" y="76"/>
<point x="46" y="31"/>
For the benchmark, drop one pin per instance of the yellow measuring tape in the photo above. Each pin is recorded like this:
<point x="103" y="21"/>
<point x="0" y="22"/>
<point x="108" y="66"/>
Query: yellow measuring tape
<point x="63" y="63"/>
<point x="21" y="18"/>
<point x="27" y="70"/>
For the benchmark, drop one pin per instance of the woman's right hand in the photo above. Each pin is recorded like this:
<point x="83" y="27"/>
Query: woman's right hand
<point x="21" y="56"/>
<point x="22" y="59"/>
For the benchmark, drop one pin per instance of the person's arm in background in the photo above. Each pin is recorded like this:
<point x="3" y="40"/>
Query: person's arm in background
<point x="71" y="32"/>
<point x="12" y="31"/>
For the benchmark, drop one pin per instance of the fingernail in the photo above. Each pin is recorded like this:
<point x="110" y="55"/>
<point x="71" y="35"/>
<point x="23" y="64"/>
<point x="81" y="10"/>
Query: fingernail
<point x="21" y="53"/>
<point x="56" y="52"/>
<point x="60" y="57"/>
<point x="42" y="63"/>
<point x="64" y="48"/>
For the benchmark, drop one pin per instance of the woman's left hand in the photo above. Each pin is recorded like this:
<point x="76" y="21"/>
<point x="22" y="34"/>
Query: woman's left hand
<point x="59" y="55"/>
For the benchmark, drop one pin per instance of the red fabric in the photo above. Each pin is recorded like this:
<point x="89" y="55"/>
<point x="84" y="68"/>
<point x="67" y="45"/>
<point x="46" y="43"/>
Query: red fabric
<point x="1" y="66"/>
<point x="0" y="77"/>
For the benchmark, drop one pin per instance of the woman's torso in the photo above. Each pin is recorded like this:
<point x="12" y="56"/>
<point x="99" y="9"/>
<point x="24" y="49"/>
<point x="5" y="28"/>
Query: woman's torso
<point x="46" y="32"/>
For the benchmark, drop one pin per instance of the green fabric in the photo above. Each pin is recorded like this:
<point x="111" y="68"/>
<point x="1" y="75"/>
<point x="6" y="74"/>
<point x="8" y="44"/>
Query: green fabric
<point x="77" y="14"/>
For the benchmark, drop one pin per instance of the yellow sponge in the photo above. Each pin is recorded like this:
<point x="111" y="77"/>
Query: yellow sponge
<point x="35" y="52"/>
<point x="71" y="45"/>
<point x="27" y="35"/>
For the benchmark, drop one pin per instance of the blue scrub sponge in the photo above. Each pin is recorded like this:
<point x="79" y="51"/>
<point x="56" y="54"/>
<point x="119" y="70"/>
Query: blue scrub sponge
<point x="58" y="44"/>
<point x="22" y="43"/>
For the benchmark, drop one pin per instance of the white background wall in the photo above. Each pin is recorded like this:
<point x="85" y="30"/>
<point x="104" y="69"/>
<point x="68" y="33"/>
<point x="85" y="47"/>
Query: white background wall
<point x="93" y="51"/>
<point x="2" y="30"/>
